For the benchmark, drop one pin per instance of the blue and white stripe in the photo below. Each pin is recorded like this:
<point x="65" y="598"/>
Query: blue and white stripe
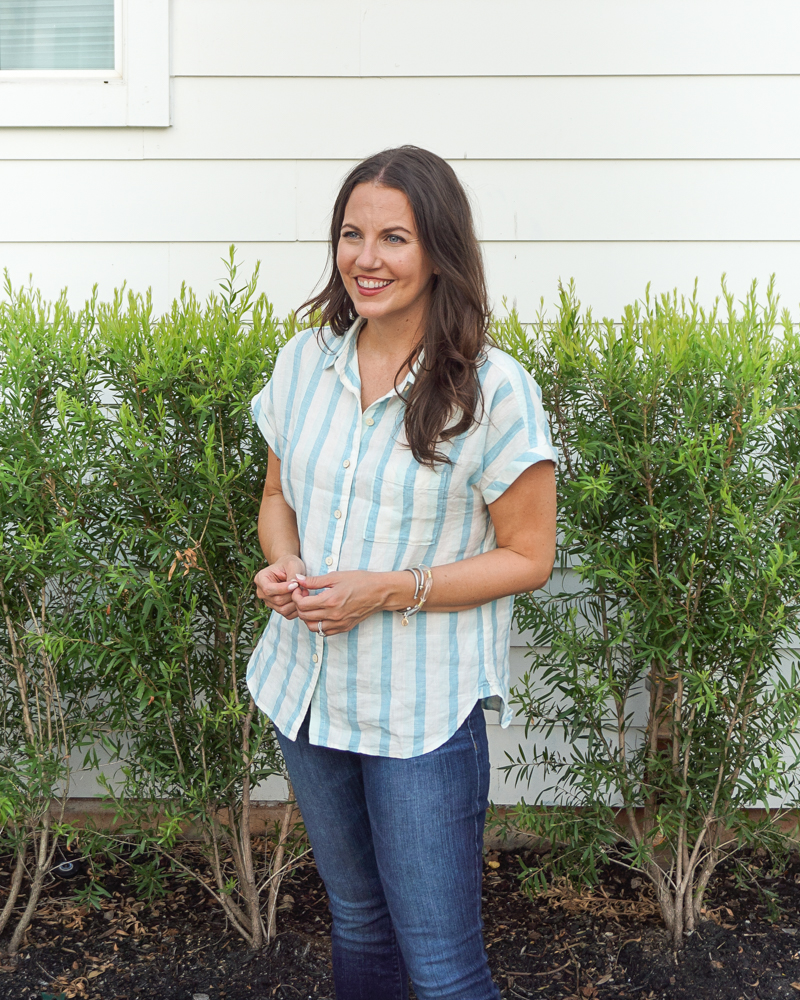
<point x="363" y="502"/>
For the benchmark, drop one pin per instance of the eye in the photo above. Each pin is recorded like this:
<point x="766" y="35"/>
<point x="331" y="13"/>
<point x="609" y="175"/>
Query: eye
<point x="350" y="234"/>
<point x="395" y="240"/>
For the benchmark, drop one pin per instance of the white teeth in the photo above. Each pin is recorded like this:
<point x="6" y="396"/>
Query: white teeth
<point x="371" y="283"/>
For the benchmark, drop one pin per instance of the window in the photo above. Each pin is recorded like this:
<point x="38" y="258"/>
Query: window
<point x="84" y="62"/>
<point x="57" y="35"/>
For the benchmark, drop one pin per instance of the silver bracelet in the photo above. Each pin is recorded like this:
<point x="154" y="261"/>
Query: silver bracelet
<point x="423" y="580"/>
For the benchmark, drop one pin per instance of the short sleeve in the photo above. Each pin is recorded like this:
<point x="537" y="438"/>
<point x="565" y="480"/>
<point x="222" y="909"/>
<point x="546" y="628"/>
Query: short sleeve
<point x="264" y="416"/>
<point x="518" y="434"/>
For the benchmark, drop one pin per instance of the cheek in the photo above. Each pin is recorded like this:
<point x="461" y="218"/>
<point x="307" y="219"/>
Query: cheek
<point x="413" y="271"/>
<point x="345" y="256"/>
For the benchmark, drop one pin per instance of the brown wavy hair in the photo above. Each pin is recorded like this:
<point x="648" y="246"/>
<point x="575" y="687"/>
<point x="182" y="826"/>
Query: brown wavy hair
<point x="445" y="396"/>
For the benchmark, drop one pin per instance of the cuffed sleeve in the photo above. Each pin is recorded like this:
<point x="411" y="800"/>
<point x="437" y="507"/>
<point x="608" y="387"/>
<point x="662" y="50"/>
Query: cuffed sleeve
<point x="518" y="434"/>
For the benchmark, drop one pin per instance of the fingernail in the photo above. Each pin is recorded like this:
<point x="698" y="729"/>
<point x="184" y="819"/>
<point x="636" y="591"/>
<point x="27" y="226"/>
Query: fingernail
<point x="293" y="584"/>
<point x="299" y="576"/>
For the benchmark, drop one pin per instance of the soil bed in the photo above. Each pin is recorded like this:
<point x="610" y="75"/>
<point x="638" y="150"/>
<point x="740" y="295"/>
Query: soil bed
<point x="595" y="945"/>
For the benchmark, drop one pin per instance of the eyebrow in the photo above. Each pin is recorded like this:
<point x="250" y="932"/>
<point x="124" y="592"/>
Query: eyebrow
<point x="389" y="229"/>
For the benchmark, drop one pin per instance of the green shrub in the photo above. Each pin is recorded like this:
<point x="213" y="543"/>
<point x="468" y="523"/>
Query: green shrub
<point x="145" y="482"/>
<point x="50" y="537"/>
<point x="679" y="491"/>
<point x="185" y="472"/>
<point x="131" y="476"/>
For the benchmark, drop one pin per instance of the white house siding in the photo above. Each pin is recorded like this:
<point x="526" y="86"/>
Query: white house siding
<point x="616" y="142"/>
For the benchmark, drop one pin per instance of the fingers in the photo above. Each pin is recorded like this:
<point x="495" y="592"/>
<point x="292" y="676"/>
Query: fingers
<point x="284" y="605"/>
<point x="288" y="611"/>
<point x="312" y="604"/>
<point x="276" y="586"/>
<point x="276" y="572"/>
<point x="279" y="594"/>
<point x="280" y="602"/>
<point x="318" y="582"/>
<point x="329" y="627"/>
<point x="269" y="583"/>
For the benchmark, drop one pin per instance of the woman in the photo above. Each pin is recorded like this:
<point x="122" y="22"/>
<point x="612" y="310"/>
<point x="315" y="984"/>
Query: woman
<point x="410" y="493"/>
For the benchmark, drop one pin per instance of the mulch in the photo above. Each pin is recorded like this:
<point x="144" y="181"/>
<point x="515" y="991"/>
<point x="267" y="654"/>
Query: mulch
<point x="584" y="945"/>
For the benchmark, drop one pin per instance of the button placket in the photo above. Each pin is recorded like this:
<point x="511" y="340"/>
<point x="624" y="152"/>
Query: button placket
<point x="339" y="513"/>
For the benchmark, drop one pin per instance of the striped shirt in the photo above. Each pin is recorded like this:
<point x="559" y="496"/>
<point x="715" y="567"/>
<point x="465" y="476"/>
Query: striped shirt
<point x="363" y="502"/>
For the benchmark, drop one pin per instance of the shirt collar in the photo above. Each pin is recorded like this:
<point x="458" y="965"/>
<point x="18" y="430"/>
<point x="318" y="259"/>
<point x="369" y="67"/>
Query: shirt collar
<point x="342" y="351"/>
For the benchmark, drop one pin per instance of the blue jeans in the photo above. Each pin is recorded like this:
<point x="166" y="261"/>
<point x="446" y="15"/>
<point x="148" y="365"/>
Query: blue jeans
<point x="399" y="844"/>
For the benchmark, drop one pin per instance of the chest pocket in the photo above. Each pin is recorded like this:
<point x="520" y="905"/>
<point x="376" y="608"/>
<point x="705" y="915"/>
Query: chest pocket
<point x="406" y="508"/>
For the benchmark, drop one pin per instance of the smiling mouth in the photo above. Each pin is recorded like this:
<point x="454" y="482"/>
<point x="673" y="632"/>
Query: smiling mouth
<point x="370" y="283"/>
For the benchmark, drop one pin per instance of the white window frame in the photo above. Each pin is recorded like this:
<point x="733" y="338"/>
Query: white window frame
<point x="134" y="94"/>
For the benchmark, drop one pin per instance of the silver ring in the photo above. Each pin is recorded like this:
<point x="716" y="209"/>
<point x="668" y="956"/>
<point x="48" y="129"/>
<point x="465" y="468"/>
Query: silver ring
<point x="319" y="629"/>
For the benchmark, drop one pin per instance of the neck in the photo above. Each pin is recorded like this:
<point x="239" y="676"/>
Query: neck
<point x="392" y="338"/>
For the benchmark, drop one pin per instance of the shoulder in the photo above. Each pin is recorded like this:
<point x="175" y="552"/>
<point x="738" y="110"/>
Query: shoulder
<point x="302" y="345"/>
<point x="501" y="374"/>
<point x="514" y="416"/>
<point x="306" y="351"/>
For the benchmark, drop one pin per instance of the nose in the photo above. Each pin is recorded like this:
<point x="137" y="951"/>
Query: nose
<point x="368" y="258"/>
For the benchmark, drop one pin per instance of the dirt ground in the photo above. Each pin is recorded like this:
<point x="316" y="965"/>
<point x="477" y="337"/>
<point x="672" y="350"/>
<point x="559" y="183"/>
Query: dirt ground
<point x="607" y="943"/>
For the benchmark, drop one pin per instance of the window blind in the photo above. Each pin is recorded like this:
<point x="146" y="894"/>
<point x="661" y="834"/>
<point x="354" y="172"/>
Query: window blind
<point x="57" y="34"/>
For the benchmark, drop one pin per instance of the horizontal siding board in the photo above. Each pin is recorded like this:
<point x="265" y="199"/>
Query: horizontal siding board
<point x="608" y="275"/>
<point x="550" y="200"/>
<point x="517" y="200"/>
<point x="496" y="118"/>
<point x="119" y="201"/>
<point x="635" y="200"/>
<point x="535" y="118"/>
<point x="266" y="37"/>
<point x="76" y="267"/>
<point x="483" y="37"/>
<point x="288" y="270"/>
<point x="576" y="37"/>
<point x="71" y="143"/>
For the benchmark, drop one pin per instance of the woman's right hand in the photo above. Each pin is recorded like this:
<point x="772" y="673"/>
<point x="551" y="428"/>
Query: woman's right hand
<point x="276" y="583"/>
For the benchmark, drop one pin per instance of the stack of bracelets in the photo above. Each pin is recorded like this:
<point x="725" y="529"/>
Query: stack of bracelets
<point x="423" y="580"/>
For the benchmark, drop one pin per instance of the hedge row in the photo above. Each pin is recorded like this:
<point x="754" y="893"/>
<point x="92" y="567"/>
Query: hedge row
<point x="131" y="477"/>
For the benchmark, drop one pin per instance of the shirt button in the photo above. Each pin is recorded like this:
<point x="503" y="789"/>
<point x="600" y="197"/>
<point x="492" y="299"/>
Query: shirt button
<point x="369" y="421"/>
<point x="346" y="463"/>
<point x="315" y="658"/>
<point x="329" y="561"/>
<point x="337" y="514"/>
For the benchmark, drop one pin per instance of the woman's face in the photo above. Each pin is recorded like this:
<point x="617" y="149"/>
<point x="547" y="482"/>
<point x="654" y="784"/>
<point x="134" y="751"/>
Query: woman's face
<point x="384" y="268"/>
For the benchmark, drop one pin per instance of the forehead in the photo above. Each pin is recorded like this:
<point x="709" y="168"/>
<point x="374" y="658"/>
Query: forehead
<point x="378" y="205"/>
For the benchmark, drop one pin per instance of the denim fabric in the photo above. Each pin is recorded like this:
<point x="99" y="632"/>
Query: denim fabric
<point x="398" y="843"/>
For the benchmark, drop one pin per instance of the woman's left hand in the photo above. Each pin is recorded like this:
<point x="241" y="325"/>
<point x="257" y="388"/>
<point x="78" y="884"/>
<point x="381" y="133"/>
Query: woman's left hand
<point x="342" y="599"/>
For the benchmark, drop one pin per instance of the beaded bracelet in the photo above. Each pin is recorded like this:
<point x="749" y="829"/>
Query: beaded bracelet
<point x="423" y="581"/>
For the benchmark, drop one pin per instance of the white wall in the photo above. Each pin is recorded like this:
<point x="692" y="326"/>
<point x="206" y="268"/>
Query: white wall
<point x="616" y="142"/>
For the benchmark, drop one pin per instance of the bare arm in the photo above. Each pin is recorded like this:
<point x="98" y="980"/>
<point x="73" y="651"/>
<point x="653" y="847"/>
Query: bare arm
<point x="524" y="519"/>
<point x="277" y="523"/>
<point x="280" y="543"/>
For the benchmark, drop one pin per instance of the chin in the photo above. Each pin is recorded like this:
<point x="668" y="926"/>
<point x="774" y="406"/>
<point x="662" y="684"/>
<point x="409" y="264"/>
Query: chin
<point x="372" y="310"/>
